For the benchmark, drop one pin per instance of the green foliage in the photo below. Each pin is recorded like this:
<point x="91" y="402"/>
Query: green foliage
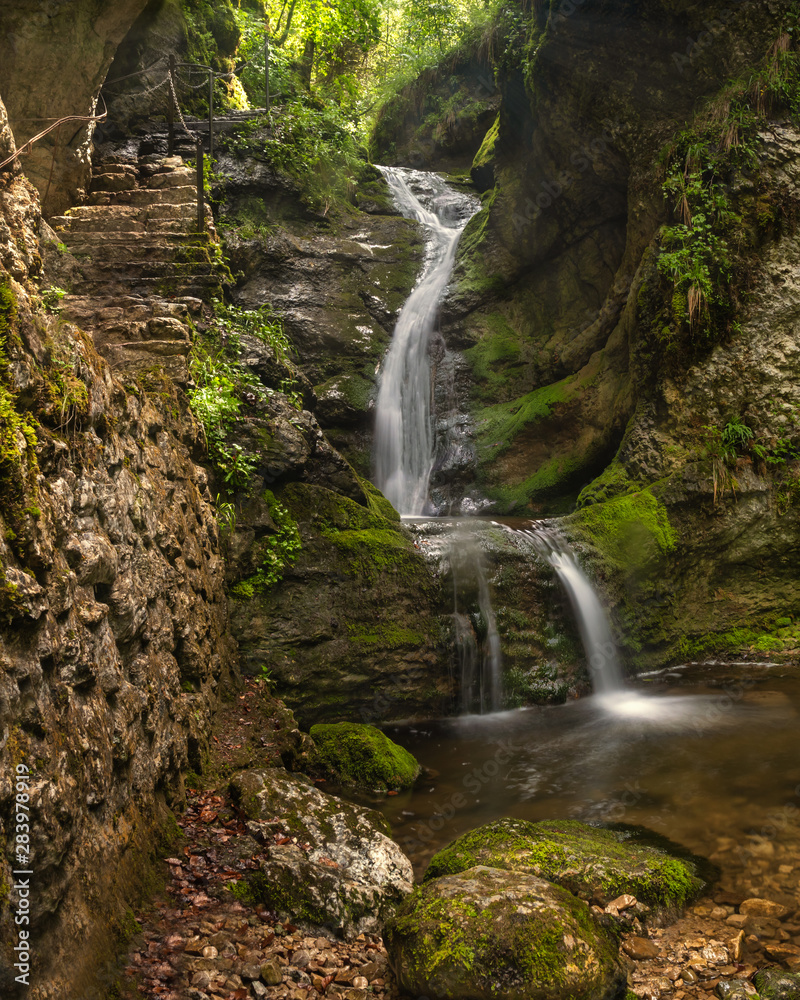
<point x="222" y="383"/>
<point x="362" y="755"/>
<point x="51" y="298"/>
<point x="774" y="453"/>
<point x="226" y="515"/>
<point x="278" y="551"/>
<point x="701" y="249"/>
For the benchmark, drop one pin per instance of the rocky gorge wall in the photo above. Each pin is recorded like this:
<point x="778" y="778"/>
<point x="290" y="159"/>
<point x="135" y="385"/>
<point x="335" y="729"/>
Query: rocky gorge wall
<point x="114" y="639"/>
<point x="580" y="362"/>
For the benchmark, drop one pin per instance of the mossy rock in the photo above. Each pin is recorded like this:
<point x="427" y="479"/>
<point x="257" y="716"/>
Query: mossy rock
<point x="489" y="934"/>
<point x="631" y="531"/>
<point x="596" y="864"/>
<point x="775" y="984"/>
<point x="354" y="754"/>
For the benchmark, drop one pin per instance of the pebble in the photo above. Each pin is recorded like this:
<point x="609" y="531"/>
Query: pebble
<point x="716" y="953"/>
<point x="763" y="908"/>
<point x="271" y="973"/>
<point x="640" y="948"/>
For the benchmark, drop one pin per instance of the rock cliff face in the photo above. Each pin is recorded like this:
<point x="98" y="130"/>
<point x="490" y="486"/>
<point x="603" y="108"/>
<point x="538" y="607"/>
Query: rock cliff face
<point x="53" y="60"/>
<point x="114" y="619"/>
<point x="580" y="363"/>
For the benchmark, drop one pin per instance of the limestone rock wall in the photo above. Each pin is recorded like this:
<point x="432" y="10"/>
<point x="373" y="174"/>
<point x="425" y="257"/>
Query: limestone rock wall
<point x="112" y="621"/>
<point x="54" y="55"/>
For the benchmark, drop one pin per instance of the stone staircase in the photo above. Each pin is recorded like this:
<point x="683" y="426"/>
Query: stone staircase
<point x="142" y="269"/>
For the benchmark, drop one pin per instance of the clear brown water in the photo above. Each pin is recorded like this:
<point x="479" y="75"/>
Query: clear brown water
<point x="707" y="755"/>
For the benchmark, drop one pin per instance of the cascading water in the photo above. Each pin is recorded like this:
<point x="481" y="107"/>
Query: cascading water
<point x="481" y="662"/>
<point x="601" y="652"/>
<point x="404" y="424"/>
<point x="457" y="550"/>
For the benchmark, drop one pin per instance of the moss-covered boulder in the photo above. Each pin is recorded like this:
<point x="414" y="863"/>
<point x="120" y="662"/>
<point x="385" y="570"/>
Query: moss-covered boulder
<point x="352" y="630"/>
<point x="596" y="864"/>
<point x="775" y="984"/>
<point x="340" y="868"/>
<point x="489" y="934"/>
<point x="354" y="754"/>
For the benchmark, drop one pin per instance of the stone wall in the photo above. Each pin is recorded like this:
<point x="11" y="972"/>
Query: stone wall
<point x="112" y="620"/>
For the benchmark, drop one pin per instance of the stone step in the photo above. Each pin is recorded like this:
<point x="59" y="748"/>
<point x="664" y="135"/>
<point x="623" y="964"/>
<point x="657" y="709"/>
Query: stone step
<point x="173" y="179"/>
<point x="149" y="249"/>
<point x="184" y="194"/>
<point x="112" y="182"/>
<point x="135" y="270"/>
<point x="133" y="306"/>
<point x="195" y="286"/>
<point x="94" y="218"/>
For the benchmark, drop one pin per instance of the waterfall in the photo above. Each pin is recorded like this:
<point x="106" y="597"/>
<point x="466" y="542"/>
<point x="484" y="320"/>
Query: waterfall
<point x="456" y="549"/>
<point x="601" y="651"/>
<point x="404" y="424"/>
<point x="481" y="662"/>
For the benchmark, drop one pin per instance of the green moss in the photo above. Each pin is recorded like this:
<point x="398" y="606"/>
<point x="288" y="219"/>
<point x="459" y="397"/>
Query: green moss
<point x="613" y="482"/>
<point x="129" y="926"/>
<point x="495" y="358"/>
<point x="377" y="502"/>
<point x="390" y="636"/>
<point x="588" y="861"/>
<point x="486" y="153"/>
<point x="362" y="755"/>
<point x="630" y="531"/>
<point x="472" y="275"/>
<point x="499" y="425"/>
<point x="448" y="944"/>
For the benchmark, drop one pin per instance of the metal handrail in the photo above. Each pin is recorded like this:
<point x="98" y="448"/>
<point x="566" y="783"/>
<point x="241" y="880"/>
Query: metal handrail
<point x="26" y="147"/>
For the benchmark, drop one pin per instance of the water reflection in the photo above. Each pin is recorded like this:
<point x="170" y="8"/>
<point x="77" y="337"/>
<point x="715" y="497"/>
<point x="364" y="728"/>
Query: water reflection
<point x="708" y="756"/>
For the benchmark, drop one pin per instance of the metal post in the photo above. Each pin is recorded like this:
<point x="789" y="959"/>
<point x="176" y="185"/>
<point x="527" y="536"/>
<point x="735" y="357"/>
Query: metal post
<point x="171" y="107"/>
<point x="266" y="66"/>
<point x="211" y="114"/>
<point x="201" y="208"/>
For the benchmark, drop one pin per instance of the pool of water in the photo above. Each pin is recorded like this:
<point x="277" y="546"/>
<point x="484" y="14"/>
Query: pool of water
<point x="707" y="755"/>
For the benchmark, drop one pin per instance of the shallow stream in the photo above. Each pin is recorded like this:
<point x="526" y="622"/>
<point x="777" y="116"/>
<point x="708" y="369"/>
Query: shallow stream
<point x="707" y="755"/>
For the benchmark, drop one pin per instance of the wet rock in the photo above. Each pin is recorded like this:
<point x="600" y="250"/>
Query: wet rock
<point x="499" y="935"/>
<point x="347" y="875"/>
<point x="367" y="651"/>
<point x="763" y="908"/>
<point x="641" y="948"/>
<point x="593" y="863"/>
<point x="774" y="984"/>
<point x="271" y="973"/>
<point x="353" y="754"/>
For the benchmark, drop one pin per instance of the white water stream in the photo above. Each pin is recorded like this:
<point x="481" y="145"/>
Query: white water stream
<point x="598" y="643"/>
<point x="404" y="424"/>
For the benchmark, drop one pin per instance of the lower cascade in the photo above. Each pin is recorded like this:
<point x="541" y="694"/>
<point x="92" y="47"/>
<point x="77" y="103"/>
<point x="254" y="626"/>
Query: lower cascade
<point x="478" y="652"/>
<point x="591" y="618"/>
<point x="404" y="431"/>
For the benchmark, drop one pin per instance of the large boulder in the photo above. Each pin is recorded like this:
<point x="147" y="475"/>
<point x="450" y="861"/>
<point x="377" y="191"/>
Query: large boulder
<point x="775" y="984"/>
<point x="362" y="755"/>
<point x="596" y="864"/>
<point x="489" y="934"/>
<point x="338" y="867"/>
